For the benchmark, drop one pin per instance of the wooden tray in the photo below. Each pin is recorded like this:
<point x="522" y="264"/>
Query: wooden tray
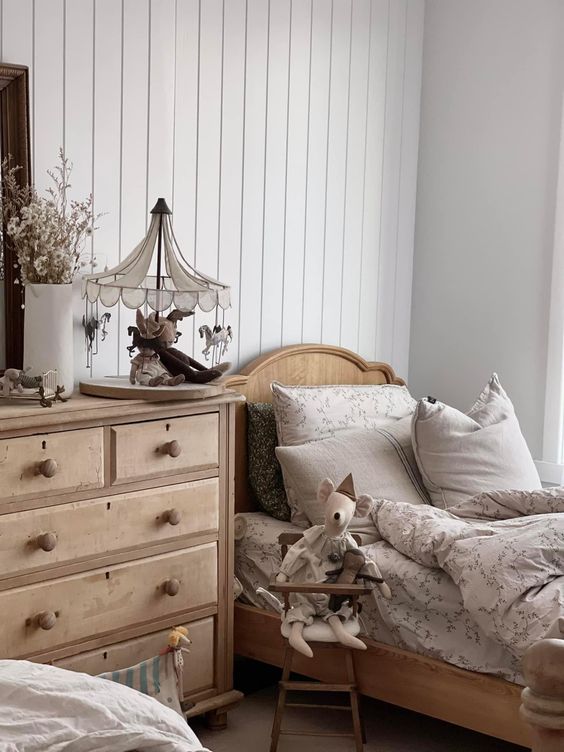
<point x="119" y="387"/>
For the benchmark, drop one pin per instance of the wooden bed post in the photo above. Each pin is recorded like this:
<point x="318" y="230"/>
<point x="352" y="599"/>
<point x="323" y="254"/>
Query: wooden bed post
<point x="543" y="698"/>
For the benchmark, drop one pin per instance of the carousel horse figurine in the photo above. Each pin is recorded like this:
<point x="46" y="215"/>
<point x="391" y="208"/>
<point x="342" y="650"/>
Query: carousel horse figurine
<point x="174" y="360"/>
<point x="220" y="337"/>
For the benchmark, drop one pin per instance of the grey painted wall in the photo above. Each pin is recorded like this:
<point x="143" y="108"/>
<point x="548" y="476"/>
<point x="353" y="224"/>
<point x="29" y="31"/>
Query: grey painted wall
<point x="490" y="120"/>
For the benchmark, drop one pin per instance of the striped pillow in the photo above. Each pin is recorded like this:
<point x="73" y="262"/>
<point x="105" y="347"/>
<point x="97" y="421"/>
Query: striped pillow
<point x="155" y="677"/>
<point x="380" y="459"/>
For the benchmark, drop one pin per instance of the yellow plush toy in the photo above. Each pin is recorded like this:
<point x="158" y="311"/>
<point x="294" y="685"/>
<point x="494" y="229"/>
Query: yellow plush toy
<point x="178" y="638"/>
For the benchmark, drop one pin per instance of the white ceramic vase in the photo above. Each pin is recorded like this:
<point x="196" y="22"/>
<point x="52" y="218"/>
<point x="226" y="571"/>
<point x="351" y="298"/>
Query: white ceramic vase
<point x="48" y="332"/>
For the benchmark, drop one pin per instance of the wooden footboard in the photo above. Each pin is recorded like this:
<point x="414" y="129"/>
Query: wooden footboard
<point x="543" y="698"/>
<point x="476" y="701"/>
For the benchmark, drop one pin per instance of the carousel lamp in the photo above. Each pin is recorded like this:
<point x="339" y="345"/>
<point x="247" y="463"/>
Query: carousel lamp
<point x="157" y="276"/>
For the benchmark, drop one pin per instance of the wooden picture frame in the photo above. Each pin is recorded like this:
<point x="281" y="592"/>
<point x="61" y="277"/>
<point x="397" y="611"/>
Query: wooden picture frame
<point x="14" y="142"/>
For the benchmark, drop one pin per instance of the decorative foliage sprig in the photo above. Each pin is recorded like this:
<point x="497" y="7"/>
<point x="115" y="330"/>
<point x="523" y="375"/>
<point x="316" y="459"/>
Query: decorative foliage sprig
<point x="48" y="232"/>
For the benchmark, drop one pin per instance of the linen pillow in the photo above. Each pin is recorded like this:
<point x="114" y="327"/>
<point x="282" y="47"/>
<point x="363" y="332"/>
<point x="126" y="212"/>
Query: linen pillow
<point x="381" y="462"/>
<point x="265" y="474"/>
<point x="155" y="677"/>
<point x="460" y="455"/>
<point x="310" y="413"/>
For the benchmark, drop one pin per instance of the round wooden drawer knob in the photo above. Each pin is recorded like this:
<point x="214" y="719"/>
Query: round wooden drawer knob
<point x="47" y="541"/>
<point x="48" y="468"/>
<point x="172" y="516"/>
<point x="172" y="448"/>
<point x="46" y="619"/>
<point x="172" y="586"/>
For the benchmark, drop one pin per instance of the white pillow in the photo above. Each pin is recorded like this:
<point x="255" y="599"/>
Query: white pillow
<point x="310" y="413"/>
<point x="460" y="455"/>
<point x="381" y="462"/>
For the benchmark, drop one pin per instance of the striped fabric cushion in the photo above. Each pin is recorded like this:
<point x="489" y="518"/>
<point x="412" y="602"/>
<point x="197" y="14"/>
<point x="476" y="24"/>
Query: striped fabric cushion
<point x="155" y="677"/>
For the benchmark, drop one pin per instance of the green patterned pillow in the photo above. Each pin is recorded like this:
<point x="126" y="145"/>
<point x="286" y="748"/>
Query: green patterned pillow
<point x="265" y="474"/>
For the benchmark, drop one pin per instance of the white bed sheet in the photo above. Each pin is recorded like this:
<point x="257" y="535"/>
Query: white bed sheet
<point x="425" y="614"/>
<point x="48" y="709"/>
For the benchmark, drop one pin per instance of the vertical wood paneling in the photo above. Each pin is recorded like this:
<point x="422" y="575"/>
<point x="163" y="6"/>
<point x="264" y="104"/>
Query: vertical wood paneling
<point x="354" y="180"/>
<point x="209" y="148"/>
<point x="106" y="156"/>
<point x="297" y="171"/>
<point x="250" y="291"/>
<point x="78" y="124"/>
<point x="186" y="139"/>
<point x="232" y="155"/>
<point x="318" y="120"/>
<point x="133" y="147"/>
<point x="337" y="148"/>
<point x="274" y="202"/>
<point x="373" y="179"/>
<point x="161" y="102"/>
<point x="283" y="133"/>
<point x="48" y="66"/>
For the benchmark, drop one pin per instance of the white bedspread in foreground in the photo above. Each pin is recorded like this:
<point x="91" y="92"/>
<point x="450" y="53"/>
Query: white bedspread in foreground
<point x="48" y="709"/>
<point x="504" y="550"/>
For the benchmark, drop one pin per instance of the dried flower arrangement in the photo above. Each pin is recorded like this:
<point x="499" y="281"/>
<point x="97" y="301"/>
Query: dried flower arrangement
<point x="47" y="232"/>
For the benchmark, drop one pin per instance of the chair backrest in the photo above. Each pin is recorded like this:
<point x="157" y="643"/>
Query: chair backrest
<point x="285" y="540"/>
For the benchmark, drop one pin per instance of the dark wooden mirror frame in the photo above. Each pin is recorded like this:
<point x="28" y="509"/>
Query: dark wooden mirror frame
<point x="14" y="141"/>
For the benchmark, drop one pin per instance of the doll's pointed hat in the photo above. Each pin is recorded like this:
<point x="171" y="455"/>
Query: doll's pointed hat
<point x="347" y="487"/>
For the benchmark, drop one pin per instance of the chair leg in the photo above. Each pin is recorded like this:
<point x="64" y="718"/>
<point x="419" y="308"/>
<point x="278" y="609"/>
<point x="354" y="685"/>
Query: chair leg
<point x="280" y="705"/>
<point x="359" y="736"/>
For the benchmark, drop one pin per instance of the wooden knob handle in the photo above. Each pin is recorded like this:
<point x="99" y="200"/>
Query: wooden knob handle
<point x="46" y="619"/>
<point x="47" y="541"/>
<point x="172" y="448"/>
<point x="172" y="586"/>
<point x="48" y="468"/>
<point x="172" y="516"/>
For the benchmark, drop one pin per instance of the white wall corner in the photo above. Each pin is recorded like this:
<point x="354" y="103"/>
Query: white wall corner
<point x="411" y="110"/>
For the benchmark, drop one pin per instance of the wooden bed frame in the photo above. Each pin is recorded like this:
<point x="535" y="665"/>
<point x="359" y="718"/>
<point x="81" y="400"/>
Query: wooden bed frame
<point x="476" y="701"/>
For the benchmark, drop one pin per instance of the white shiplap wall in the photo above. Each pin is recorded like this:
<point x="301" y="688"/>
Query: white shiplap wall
<point x="282" y="132"/>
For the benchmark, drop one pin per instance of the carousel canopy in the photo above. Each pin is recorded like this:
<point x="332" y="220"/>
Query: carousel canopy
<point x="157" y="273"/>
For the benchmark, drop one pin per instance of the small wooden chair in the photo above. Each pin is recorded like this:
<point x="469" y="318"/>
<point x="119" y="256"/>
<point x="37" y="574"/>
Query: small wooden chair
<point x="325" y="639"/>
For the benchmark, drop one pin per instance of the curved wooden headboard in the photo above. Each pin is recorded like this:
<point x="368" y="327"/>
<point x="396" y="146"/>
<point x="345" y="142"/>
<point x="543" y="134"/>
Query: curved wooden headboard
<point x="295" y="364"/>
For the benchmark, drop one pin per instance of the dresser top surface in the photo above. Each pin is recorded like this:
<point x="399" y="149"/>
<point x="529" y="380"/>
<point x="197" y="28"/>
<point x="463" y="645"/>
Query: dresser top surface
<point x="18" y="413"/>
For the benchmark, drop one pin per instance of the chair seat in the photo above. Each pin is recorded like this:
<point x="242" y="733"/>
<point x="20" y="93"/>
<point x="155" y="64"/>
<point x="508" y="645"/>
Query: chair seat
<point x="320" y="631"/>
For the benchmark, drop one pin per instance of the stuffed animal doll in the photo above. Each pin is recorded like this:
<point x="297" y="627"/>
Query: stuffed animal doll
<point x="146" y="367"/>
<point x="318" y="553"/>
<point x="175" y="360"/>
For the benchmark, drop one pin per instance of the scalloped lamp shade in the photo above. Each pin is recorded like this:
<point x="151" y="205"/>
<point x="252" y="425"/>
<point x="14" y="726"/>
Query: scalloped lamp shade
<point x="175" y="284"/>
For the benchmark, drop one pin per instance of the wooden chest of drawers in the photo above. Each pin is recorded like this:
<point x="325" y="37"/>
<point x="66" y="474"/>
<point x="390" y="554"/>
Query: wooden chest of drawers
<point x="116" y="524"/>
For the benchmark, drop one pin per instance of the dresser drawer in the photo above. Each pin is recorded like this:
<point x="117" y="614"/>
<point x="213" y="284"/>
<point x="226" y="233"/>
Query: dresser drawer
<point x="57" y="535"/>
<point x="73" y="608"/>
<point x="163" y="447"/>
<point x="198" y="664"/>
<point x="51" y="463"/>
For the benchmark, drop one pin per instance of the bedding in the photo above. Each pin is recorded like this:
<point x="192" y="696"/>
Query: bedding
<point x="47" y="708"/>
<point x="425" y="615"/>
<point x="310" y="413"/>
<point x="381" y="461"/>
<point x="460" y="455"/>
<point x="503" y="549"/>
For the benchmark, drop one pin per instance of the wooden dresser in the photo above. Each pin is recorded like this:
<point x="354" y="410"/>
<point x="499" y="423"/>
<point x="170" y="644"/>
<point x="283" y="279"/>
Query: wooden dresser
<point x="115" y="524"/>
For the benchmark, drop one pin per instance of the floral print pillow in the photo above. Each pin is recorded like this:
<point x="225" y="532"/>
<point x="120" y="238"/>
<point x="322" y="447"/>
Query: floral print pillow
<point x="265" y="473"/>
<point x="311" y="413"/>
